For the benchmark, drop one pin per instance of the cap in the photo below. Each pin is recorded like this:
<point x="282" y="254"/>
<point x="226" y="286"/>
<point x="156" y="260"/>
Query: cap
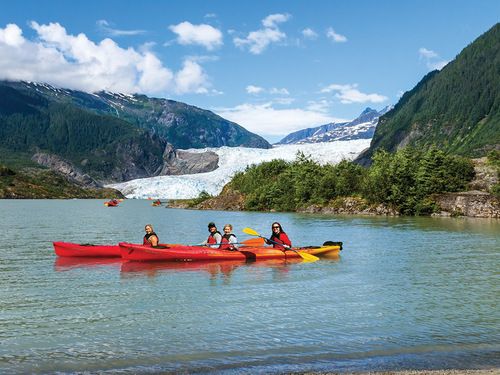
<point x="211" y="224"/>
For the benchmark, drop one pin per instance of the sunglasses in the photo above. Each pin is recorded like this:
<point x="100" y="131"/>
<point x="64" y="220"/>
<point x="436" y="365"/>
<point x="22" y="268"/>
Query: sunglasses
<point x="276" y="227"/>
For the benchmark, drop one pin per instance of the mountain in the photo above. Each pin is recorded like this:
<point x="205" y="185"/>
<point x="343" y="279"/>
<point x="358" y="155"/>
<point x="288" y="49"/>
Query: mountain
<point x="362" y="127"/>
<point x="181" y="125"/>
<point x="86" y="147"/>
<point x="456" y="109"/>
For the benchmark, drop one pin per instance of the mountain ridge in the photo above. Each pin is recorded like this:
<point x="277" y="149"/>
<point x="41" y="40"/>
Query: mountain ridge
<point x="362" y="127"/>
<point x="456" y="109"/>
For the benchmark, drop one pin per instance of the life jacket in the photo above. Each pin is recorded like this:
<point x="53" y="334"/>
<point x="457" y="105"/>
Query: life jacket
<point x="225" y="239"/>
<point x="211" y="238"/>
<point x="146" y="240"/>
<point x="281" y="238"/>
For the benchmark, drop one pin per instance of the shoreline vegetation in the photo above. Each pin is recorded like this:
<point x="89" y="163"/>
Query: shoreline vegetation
<point x="408" y="183"/>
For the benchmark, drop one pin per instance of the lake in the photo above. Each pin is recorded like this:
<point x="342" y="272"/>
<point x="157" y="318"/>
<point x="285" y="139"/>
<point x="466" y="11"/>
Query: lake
<point x="405" y="293"/>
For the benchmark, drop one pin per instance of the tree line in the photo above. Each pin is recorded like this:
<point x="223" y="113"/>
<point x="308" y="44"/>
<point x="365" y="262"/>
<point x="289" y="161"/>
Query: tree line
<point x="405" y="180"/>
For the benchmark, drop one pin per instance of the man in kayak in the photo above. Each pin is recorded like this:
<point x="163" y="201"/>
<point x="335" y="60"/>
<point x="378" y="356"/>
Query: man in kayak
<point x="150" y="239"/>
<point x="229" y="241"/>
<point x="214" y="237"/>
<point x="278" y="235"/>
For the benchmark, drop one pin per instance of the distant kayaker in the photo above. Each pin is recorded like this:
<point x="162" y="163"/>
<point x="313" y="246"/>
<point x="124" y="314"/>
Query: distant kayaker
<point x="229" y="240"/>
<point x="150" y="239"/>
<point x="214" y="237"/>
<point x="279" y="236"/>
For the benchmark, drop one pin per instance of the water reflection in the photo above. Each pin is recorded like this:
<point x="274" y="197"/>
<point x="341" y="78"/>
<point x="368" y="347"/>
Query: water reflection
<point x="63" y="264"/>
<point x="215" y="270"/>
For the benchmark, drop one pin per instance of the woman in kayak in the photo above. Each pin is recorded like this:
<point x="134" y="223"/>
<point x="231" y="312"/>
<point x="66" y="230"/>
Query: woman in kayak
<point x="229" y="241"/>
<point x="214" y="238"/>
<point x="151" y="238"/>
<point x="278" y="236"/>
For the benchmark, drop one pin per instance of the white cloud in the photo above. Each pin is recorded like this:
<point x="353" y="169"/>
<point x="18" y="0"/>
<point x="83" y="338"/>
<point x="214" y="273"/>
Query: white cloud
<point x="265" y="120"/>
<point x="254" y="89"/>
<point x="12" y="35"/>
<point x="204" y="35"/>
<point x="336" y="38"/>
<point x="76" y="62"/>
<point x="349" y="94"/>
<point x="274" y="19"/>
<point x="430" y="59"/>
<point x="105" y="26"/>
<point x="279" y="91"/>
<point x="258" y="41"/>
<point x="309" y="33"/>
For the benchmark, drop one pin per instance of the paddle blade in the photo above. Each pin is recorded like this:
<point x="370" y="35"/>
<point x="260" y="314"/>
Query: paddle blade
<point x="251" y="232"/>
<point x="309" y="257"/>
<point x="253" y="242"/>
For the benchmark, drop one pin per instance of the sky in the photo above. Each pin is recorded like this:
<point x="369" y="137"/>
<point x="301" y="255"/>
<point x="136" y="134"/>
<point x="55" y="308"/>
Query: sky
<point x="273" y="67"/>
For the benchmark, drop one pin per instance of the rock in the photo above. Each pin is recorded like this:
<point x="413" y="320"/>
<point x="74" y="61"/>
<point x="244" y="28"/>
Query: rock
<point x="66" y="169"/>
<point x="471" y="203"/>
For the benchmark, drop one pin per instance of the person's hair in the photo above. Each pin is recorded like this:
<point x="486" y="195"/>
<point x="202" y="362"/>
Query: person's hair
<point x="228" y="225"/>
<point x="278" y="224"/>
<point x="149" y="225"/>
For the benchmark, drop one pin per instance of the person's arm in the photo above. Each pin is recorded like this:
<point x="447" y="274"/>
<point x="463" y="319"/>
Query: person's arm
<point x="285" y="239"/>
<point x="234" y="241"/>
<point x="154" y="240"/>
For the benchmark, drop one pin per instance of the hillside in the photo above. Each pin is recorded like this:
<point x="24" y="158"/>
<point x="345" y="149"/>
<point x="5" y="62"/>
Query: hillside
<point x="456" y="109"/>
<point x="46" y="185"/>
<point x="35" y="130"/>
<point x="181" y="125"/>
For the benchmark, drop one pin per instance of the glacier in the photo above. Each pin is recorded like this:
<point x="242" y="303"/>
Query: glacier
<point x="232" y="160"/>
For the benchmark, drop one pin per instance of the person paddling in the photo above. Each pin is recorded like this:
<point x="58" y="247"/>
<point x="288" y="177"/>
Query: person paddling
<point x="214" y="238"/>
<point x="150" y="239"/>
<point x="229" y="241"/>
<point x="278" y="235"/>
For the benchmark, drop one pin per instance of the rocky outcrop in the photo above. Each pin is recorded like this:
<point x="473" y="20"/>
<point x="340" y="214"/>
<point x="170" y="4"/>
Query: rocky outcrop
<point x="471" y="203"/>
<point x="65" y="168"/>
<point x="179" y="162"/>
<point x="350" y="206"/>
<point x="229" y="201"/>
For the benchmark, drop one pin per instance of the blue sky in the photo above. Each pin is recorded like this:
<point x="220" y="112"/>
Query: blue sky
<point x="273" y="67"/>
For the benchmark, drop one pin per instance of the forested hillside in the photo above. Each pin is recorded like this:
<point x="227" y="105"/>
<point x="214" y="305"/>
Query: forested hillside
<point x="103" y="146"/>
<point x="180" y="124"/>
<point x="456" y="109"/>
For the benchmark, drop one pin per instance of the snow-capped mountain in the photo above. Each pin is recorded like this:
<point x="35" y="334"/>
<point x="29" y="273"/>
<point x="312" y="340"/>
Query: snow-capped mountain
<point x="362" y="127"/>
<point x="232" y="160"/>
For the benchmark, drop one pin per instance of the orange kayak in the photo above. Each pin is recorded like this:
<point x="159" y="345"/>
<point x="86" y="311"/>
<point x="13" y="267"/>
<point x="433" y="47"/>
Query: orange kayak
<point x="180" y="253"/>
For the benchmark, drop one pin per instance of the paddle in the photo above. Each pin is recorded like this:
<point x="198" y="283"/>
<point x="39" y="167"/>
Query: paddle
<point x="303" y="255"/>
<point x="250" y="242"/>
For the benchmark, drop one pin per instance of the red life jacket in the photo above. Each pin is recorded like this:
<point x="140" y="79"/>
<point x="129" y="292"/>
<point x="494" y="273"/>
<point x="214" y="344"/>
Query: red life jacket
<point x="146" y="240"/>
<point x="225" y="239"/>
<point x="281" y="238"/>
<point x="211" y="238"/>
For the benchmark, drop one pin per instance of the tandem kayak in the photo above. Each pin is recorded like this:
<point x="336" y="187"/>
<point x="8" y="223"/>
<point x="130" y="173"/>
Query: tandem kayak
<point x="180" y="253"/>
<point x="66" y="249"/>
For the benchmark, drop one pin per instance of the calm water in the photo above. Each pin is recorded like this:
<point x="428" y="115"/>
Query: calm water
<point x="405" y="293"/>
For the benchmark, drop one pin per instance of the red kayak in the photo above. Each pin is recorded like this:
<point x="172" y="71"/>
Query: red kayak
<point x="179" y="253"/>
<point x="112" y="203"/>
<point x="66" y="249"/>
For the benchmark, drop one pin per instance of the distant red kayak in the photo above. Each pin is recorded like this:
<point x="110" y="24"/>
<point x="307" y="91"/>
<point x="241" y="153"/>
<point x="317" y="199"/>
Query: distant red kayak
<point x="179" y="253"/>
<point x="112" y="203"/>
<point x="66" y="249"/>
